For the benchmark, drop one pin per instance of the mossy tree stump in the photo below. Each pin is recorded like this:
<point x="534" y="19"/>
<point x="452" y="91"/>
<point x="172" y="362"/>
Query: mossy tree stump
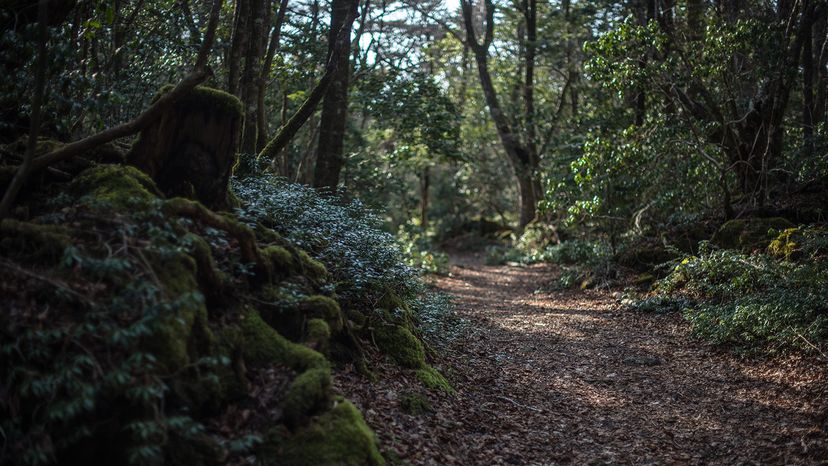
<point x="190" y="151"/>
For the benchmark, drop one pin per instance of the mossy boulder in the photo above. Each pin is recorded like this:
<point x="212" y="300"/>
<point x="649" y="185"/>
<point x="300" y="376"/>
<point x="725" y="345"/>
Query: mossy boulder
<point x="323" y="307"/>
<point x="399" y="343"/>
<point x="114" y="186"/>
<point x="263" y="345"/>
<point x="338" y="437"/>
<point x="749" y="234"/>
<point x="434" y="380"/>
<point x="311" y="268"/>
<point x="644" y="254"/>
<point x="318" y="335"/>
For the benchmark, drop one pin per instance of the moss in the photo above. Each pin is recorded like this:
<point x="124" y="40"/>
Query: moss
<point x="206" y="99"/>
<point x="232" y="377"/>
<point x="336" y="438"/>
<point x="309" y="393"/>
<point x="34" y="240"/>
<point x="399" y="343"/>
<point x="748" y="234"/>
<point x="211" y="279"/>
<point x="264" y="345"/>
<point x="280" y="259"/>
<point x="170" y="340"/>
<point x="784" y="245"/>
<point x="318" y="335"/>
<point x="415" y="404"/>
<point x="390" y="301"/>
<point x="644" y="280"/>
<point x="311" y="267"/>
<point x="114" y="185"/>
<point x="323" y="307"/>
<point x="434" y="380"/>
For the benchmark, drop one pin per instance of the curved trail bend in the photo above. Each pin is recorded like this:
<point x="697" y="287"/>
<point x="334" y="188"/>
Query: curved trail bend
<point x="572" y="378"/>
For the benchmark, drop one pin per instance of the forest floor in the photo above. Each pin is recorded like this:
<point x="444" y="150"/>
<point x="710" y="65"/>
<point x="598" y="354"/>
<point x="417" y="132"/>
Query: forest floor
<point x="571" y="377"/>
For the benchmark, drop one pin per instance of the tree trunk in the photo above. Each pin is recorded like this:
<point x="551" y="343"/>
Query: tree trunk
<point x="329" y="150"/>
<point x="808" y="93"/>
<point x="518" y="155"/>
<point x="425" y="181"/>
<point x="237" y="45"/>
<point x="190" y="151"/>
<point x="272" y="48"/>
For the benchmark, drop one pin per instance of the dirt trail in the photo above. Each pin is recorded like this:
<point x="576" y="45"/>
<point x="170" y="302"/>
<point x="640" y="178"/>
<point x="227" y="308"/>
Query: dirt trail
<point x="571" y="378"/>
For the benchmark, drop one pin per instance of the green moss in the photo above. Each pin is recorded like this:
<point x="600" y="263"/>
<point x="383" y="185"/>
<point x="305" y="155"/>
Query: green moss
<point x="336" y="438"/>
<point x="232" y="377"/>
<point x="280" y="259"/>
<point x="784" y="245"/>
<point x="114" y="185"/>
<point x="323" y="307"/>
<point x="263" y="345"/>
<point x="170" y="341"/>
<point x="390" y="301"/>
<point x="311" y="267"/>
<point x="309" y="393"/>
<point x="415" y="404"/>
<point x="206" y="99"/>
<point x="434" y="380"/>
<point x="399" y="343"/>
<point x="645" y="280"/>
<point x="318" y="335"/>
<point x="33" y="240"/>
<point x="748" y="234"/>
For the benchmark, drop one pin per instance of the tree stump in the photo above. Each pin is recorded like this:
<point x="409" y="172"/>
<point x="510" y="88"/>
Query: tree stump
<point x="190" y="151"/>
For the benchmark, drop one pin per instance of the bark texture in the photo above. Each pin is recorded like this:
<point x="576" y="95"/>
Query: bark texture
<point x="190" y="151"/>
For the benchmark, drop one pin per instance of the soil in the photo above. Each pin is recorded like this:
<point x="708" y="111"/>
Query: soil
<point x="572" y="377"/>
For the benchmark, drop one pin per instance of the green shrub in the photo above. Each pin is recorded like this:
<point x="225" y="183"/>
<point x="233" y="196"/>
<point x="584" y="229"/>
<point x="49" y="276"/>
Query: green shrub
<point x="752" y="302"/>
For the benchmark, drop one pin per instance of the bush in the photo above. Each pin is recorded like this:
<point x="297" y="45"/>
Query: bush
<point x="365" y="262"/>
<point x="752" y="301"/>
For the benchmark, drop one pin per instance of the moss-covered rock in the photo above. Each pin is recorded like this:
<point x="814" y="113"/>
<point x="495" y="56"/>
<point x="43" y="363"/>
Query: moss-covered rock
<point x="749" y="234"/>
<point x="309" y="393"/>
<point x="114" y="186"/>
<point x="434" y="380"/>
<point x="323" y="307"/>
<point x="311" y="267"/>
<point x="415" y="404"/>
<point x="336" y="438"/>
<point x="318" y="335"/>
<point x="263" y="345"/>
<point x="399" y="343"/>
<point x="280" y="259"/>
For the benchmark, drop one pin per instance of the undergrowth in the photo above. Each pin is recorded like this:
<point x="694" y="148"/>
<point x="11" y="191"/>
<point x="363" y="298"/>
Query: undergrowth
<point x="774" y="301"/>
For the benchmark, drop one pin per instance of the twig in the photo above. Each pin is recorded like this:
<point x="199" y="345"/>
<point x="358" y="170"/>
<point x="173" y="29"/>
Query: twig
<point x="43" y="278"/>
<point x="501" y="397"/>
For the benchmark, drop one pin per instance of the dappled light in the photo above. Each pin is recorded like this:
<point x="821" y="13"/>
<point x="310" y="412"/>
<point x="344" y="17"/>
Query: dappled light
<point x="413" y="232"/>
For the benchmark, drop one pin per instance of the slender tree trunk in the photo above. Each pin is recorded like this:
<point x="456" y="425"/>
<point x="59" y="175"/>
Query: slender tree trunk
<point x="808" y="94"/>
<point x="516" y="153"/>
<point x="425" y="181"/>
<point x="25" y="169"/>
<point x="329" y="151"/>
<point x="272" y="48"/>
<point x="237" y="45"/>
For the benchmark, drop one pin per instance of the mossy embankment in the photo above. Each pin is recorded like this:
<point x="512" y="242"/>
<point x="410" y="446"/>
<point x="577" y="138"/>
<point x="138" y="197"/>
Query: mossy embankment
<point x="136" y="326"/>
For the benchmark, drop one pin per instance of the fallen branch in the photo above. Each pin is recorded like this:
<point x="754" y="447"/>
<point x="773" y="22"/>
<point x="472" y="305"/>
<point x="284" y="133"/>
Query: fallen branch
<point x="200" y="73"/>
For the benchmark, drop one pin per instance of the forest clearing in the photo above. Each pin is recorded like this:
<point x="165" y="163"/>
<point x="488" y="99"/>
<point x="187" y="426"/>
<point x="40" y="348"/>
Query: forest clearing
<point x="413" y="232"/>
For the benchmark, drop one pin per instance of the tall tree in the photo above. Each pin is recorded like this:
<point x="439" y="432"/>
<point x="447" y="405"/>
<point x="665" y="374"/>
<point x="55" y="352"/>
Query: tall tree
<point x="518" y="153"/>
<point x="329" y="152"/>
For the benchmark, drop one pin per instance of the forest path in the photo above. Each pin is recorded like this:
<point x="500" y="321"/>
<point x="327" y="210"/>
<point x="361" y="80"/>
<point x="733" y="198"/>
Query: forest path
<point x="570" y="377"/>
